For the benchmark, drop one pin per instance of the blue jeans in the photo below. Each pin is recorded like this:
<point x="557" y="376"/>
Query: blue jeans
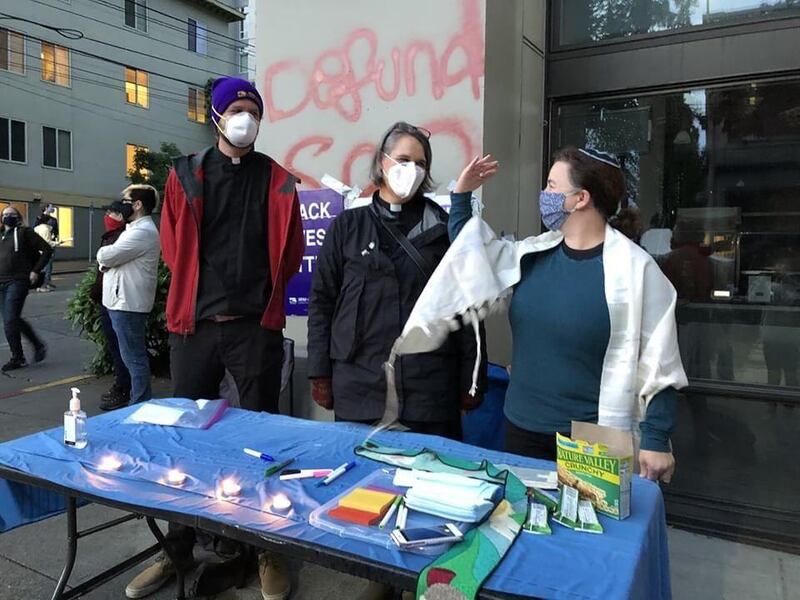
<point x="12" y="301"/>
<point x="121" y="376"/>
<point x="48" y="272"/>
<point x="131" y="330"/>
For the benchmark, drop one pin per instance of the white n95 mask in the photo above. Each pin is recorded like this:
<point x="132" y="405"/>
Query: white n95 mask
<point x="404" y="178"/>
<point x="240" y="130"/>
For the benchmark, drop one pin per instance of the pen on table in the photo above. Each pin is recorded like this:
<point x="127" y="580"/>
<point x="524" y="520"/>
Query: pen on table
<point x="275" y="468"/>
<point x="388" y="516"/>
<point x="304" y="473"/>
<point x="336" y="472"/>
<point x="402" y="516"/>
<point x="257" y="454"/>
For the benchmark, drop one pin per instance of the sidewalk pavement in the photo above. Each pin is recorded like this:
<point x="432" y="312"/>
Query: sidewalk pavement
<point x="35" y="398"/>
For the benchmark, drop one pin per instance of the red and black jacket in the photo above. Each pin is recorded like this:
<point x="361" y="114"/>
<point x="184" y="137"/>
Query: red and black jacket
<point x="181" y="216"/>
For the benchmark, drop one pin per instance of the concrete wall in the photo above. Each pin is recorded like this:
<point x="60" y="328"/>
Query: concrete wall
<point x="512" y="126"/>
<point x="94" y="109"/>
<point x="335" y="76"/>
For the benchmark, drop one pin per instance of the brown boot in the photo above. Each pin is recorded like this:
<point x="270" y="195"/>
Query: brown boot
<point x="274" y="575"/>
<point x="152" y="578"/>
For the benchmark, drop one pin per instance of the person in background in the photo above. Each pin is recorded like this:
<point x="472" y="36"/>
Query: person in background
<point x="23" y="256"/>
<point x="120" y="392"/>
<point x="130" y="271"/>
<point x="47" y="227"/>
<point x="373" y="265"/>
<point x="592" y="317"/>
<point x="232" y="237"/>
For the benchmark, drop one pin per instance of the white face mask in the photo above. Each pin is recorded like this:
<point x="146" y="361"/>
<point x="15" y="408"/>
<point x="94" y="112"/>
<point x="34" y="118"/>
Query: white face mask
<point x="404" y="178"/>
<point x="240" y="130"/>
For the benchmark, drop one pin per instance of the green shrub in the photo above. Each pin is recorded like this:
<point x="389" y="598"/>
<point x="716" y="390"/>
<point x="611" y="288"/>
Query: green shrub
<point x="84" y="314"/>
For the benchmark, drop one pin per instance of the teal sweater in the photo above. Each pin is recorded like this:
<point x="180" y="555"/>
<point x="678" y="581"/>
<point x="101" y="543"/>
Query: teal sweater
<point x="560" y="327"/>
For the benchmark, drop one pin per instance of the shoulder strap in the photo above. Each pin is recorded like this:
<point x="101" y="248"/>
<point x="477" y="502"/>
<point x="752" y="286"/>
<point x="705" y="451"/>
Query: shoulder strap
<point x="422" y="264"/>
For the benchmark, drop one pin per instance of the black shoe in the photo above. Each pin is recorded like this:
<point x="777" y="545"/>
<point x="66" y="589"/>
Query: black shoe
<point x="112" y="392"/>
<point x="115" y="401"/>
<point x="39" y="353"/>
<point x="15" y="363"/>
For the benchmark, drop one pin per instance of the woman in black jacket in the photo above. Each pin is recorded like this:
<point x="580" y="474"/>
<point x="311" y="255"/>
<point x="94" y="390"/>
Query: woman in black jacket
<point x="119" y="394"/>
<point x="372" y="267"/>
<point x="23" y="255"/>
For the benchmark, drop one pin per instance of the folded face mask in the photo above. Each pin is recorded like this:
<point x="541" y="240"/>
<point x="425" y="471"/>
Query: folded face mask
<point x="452" y="496"/>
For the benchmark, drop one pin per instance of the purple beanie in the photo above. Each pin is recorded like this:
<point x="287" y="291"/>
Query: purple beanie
<point x="227" y="90"/>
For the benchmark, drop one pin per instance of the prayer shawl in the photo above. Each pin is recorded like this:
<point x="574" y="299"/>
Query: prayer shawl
<point x="477" y="277"/>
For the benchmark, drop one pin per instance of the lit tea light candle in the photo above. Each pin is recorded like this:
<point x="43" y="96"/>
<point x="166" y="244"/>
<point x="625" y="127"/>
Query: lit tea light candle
<point x="109" y="463"/>
<point x="176" y="477"/>
<point x="229" y="487"/>
<point x="281" y="503"/>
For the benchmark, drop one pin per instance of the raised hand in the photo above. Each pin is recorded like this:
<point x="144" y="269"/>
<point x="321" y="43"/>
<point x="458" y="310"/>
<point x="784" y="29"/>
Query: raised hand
<point x="476" y="173"/>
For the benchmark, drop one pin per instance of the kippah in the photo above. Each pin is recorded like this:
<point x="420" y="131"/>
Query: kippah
<point x="603" y="157"/>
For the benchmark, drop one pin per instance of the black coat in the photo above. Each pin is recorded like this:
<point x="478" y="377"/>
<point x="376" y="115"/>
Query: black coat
<point x="108" y="238"/>
<point x="21" y="252"/>
<point x="363" y="290"/>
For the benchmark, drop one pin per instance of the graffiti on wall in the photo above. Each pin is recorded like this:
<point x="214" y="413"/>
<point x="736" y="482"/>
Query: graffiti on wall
<point x="337" y="87"/>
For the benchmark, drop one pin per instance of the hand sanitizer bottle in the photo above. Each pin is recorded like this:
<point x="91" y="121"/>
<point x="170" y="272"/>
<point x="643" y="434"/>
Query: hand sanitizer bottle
<point x="75" y="422"/>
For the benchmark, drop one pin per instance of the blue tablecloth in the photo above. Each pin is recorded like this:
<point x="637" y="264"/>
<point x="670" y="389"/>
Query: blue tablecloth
<point x="629" y="561"/>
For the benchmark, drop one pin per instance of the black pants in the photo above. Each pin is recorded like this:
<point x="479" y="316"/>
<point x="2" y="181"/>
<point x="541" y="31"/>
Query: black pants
<point x="12" y="301"/>
<point x="122" y="378"/>
<point x="446" y="429"/>
<point x="530" y="443"/>
<point x="252" y="354"/>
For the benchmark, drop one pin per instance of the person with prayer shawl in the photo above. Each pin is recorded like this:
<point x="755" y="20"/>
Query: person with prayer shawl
<point x="592" y="316"/>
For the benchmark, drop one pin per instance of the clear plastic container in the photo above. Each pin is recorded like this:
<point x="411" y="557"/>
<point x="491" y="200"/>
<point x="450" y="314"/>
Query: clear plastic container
<point x="380" y="479"/>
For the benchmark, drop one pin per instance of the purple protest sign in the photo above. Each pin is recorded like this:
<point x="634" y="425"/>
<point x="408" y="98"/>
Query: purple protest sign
<point x="318" y="208"/>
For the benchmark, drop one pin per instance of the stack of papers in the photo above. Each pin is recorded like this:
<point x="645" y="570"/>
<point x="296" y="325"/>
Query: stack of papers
<point x="179" y="412"/>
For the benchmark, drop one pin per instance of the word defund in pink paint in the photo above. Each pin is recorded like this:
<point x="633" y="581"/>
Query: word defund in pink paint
<point x="333" y="82"/>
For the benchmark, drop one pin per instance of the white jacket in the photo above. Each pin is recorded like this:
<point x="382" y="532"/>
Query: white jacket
<point x="477" y="276"/>
<point x="132" y="262"/>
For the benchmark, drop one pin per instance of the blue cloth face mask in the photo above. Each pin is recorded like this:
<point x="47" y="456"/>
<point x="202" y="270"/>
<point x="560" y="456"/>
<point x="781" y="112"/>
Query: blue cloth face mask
<point x="551" y="207"/>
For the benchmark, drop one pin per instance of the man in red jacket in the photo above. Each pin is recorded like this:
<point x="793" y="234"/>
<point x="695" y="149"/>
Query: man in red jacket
<point x="232" y="237"/>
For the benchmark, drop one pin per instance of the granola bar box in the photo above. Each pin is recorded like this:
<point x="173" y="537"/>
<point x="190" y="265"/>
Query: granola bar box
<point x="598" y="461"/>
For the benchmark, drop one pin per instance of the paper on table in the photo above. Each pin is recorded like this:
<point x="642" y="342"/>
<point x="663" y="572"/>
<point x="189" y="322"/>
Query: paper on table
<point x="404" y="478"/>
<point x="540" y="478"/>
<point x="179" y="412"/>
<point x="155" y="414"/>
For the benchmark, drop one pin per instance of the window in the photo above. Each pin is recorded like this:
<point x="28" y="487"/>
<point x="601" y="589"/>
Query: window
<point x="65" y="230"/>
<point x="12" y="51"/>
<point x="243" y="63"/>
<point x="715" y="174"/>
<point x="136" y="14"/>
<point x="582" y="22"/>
<point x="12" y="140"/>
<point x="197" y="105"/>
<point x="198" y="37"/>
<point x="55" y="64"/>
<point x="56" y="148"/>
<point x="136" y="87"/>
<point x="130" y="159"/>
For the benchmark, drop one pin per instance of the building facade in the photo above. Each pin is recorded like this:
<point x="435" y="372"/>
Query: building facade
<point x="701" y="101"/>
<point x="87" y="82"/>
